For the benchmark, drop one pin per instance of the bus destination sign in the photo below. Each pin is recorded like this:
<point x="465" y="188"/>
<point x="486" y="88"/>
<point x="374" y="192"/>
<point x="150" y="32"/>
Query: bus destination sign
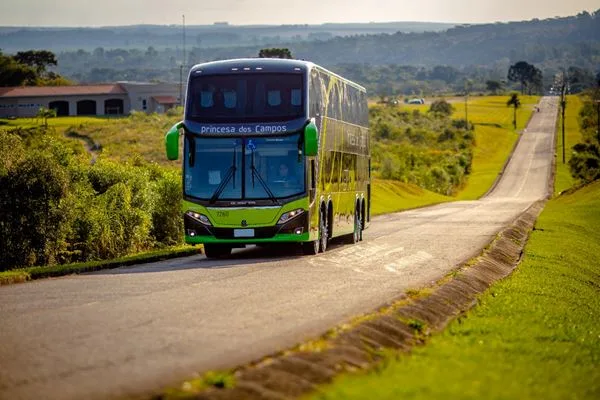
<point x="244" y="129"/>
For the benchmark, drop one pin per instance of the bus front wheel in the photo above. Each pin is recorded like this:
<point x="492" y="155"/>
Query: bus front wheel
<point x="320" y="244"/>
<point x="311" y="248"/>
<point x="213" y="250"/>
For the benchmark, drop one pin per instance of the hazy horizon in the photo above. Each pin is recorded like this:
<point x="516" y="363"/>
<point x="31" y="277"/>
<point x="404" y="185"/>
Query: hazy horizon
<point x="85" y="13"/>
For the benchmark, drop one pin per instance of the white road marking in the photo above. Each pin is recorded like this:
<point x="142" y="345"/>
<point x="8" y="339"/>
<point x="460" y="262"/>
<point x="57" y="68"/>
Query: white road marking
<point x="416" y="258"/>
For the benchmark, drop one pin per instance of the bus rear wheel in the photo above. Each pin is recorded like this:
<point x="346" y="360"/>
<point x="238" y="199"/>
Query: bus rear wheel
<point x="357" y="233"/>
<point x="213" y="250"/>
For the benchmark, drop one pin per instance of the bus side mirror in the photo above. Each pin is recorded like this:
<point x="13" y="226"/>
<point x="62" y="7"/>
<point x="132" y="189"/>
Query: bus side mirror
<point x="311" y="140"/>
<point x="172" y="141"/>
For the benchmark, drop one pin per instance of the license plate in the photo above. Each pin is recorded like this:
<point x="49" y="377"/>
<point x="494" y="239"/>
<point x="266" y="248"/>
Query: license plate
<point x="243" y="232"/>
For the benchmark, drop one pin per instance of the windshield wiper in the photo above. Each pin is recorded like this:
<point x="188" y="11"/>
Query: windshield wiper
<point x="230" y="173"/>
<point x="261" y="181"/>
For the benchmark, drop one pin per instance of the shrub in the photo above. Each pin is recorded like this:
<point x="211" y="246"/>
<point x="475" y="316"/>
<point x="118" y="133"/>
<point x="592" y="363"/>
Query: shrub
<point x="167" y="224"/>
<point x="585" y="162"/>
<point x="441" y="107"/>
<point x="55" y="207"/>
<point x="33" y="215"/>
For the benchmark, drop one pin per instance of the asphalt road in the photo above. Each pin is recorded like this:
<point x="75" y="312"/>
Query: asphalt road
<point x="129" y="331"/>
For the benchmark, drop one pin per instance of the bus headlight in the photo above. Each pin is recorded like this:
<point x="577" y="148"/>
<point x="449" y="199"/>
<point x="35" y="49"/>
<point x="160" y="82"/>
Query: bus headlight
<point x="203" y="219"/>
<point x="285" y="217"/>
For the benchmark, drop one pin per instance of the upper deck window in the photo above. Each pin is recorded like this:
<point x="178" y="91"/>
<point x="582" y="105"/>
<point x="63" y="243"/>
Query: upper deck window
<point x="237" y="98"/>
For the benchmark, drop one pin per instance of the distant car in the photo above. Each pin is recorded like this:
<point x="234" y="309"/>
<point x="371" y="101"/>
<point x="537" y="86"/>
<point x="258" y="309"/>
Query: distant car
<point x="416" y="101"/>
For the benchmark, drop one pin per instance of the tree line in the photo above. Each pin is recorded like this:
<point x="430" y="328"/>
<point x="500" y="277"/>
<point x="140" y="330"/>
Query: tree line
<point x="585" y="159"/>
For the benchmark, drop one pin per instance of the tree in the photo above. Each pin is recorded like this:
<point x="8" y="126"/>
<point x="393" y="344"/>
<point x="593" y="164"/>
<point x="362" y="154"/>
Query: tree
<point x="441" y="107"/>
<point x="275" y="53"/>
<point x="444" y="73"/>
<point x="580" y="79"/>
<point x="525" y="73"/>
<point x="493" y="86"/>
<point x="44" y="114"/>
<point x="514" y="102"/>
<point x="29" y="68"/>
<point x="37" y="59"/>
<point x="536" y="81"/>
<point x="13" y="73"/>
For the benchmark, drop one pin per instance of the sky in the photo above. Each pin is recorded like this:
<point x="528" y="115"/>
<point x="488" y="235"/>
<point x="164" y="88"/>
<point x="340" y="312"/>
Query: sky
<point x="86" y="13"/>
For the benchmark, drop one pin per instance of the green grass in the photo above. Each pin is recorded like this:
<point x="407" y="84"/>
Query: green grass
<point x="26" y="274"/>
<point x="120" y="137"/>
<point x="59" y="122"/>
<point x="534" y="335"/>
<point x="564" y="180"/>
<point x="391" y="196"/>
<point x="138" y="134"/>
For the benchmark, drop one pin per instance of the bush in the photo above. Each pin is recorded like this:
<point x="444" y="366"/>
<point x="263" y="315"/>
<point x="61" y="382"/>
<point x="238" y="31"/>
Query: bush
<point x="33" y="215"/>
<point x="585" y="162"/>
<point x="167" y="224"/>
<point x="175" y="112"/>
<point x="422" y="149"/>
<point x="55" y="207"/>
<point x="441" y="107"/>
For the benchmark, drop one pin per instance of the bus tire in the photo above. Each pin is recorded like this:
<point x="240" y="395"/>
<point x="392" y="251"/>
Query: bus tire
<point x="323" y="230"/>
<point x="357" y="233"/>
<point x="361" y="216"/>
<point x="214" y="250"/>
<point x="310" y="248"/>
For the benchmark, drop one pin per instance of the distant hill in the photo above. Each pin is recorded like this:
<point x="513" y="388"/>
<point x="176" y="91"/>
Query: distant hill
<point x="550" y="43"/>
<point x="379" y="56"/>
<point x="13" y="39"/>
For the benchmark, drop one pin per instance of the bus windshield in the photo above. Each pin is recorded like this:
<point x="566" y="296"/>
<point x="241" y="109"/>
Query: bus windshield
<point x="255" y="168"/>
<point x="255" y="97"/>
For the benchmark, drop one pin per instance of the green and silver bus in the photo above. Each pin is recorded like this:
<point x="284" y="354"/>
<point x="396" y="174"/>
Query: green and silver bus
<point x="273" y="151"/>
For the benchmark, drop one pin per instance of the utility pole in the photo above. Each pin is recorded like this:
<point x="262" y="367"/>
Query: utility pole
<point x="563" y="104"/>
<point x="598" y="126"/>
<point x="181" y="85"/>
<point x="468" y="85"/>
<point x="183" y="65"/>
<point x="467" y="109"/>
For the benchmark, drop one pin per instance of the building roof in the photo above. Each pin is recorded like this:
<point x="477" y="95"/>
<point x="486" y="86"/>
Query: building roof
<point x="165" y="99"/>
<point x="43" y="91"/>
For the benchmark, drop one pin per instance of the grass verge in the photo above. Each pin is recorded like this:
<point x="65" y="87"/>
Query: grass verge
<point x="537" y="332"/>
<point x="26" y="274"/>
<point x="391" y="196"/>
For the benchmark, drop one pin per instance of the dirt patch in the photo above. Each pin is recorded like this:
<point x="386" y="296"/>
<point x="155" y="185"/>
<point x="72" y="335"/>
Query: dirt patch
<point x="90" y="146"/>
<point x="399" y="326"/>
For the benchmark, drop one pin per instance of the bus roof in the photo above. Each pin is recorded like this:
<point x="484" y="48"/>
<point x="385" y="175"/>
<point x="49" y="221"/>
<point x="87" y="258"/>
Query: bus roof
<point x="241" y="65"/>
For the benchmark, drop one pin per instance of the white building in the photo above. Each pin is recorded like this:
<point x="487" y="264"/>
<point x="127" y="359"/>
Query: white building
<point x="107" y="99"/>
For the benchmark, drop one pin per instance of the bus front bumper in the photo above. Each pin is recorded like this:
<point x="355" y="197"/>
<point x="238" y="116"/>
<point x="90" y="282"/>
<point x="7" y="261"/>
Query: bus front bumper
<point x="295" y="230"/>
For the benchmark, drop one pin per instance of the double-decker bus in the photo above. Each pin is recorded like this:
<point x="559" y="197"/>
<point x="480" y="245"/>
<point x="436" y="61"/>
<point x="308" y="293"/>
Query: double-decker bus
<point x="273" y="151"/>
